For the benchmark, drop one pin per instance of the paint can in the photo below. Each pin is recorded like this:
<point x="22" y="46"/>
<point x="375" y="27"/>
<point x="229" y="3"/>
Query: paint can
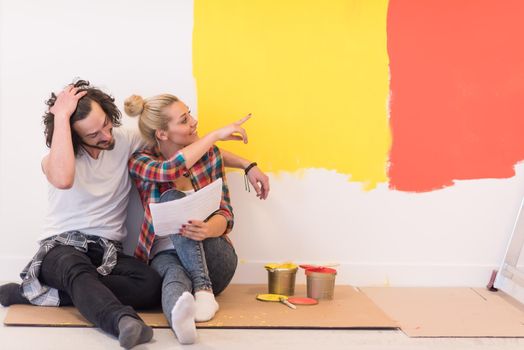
<point x="321" y="283"/>
<point x="281" y="278"/>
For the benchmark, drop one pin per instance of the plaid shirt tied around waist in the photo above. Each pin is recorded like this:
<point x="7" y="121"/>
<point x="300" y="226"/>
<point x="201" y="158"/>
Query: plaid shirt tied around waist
<point x="39" y="294"/>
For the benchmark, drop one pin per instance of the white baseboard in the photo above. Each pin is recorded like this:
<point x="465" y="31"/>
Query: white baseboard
<point x="356" y="274"/>
<point x="392" y="274"/>
<point x="11" y="266"/>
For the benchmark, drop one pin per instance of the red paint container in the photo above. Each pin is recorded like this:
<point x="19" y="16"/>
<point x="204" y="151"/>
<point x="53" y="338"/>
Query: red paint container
<point x="320" y="282"/>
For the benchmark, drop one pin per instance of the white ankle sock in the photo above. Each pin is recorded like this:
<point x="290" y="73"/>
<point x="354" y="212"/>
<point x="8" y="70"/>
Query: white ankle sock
<point x="183" y="319"/>
<point x="206" y="306"/>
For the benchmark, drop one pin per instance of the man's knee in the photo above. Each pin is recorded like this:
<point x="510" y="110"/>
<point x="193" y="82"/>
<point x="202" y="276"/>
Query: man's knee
<point x="63" y="264"/>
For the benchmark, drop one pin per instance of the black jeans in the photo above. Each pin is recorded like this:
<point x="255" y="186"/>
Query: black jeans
<point x="102" y="300"/>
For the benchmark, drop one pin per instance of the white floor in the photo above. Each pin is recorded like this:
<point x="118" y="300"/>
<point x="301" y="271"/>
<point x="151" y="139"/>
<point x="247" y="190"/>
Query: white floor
<point x="56" y="338"/>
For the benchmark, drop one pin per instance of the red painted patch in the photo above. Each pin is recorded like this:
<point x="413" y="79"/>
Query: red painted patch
<point x="457" y="91"/>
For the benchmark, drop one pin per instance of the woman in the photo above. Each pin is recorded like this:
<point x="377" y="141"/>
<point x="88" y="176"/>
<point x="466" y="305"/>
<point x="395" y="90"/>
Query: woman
<point x="199" y="258"/>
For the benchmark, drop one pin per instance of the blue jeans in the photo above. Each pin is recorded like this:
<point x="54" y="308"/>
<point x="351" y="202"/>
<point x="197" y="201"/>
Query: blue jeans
<point x="190" y="252"/>
<point x="221" y="262"/>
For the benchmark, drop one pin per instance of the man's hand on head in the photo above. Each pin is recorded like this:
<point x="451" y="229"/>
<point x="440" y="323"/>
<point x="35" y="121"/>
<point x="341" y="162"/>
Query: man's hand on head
<point x="66" y="102"/>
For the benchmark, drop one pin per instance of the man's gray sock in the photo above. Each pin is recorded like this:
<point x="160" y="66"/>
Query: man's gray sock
<point x="10" y="294"/>
<point x="133" y="332"/>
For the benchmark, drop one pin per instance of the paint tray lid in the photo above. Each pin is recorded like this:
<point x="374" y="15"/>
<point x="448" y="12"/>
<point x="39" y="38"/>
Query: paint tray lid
<point x="321" y="269"/>
<point x="284" y="266"/>
<point x="271" y="297"/>
<point x="302" y="301"/>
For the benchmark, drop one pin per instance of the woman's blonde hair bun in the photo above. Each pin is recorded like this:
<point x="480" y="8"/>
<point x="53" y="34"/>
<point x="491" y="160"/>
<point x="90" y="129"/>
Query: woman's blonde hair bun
<point x="134" y="105"/>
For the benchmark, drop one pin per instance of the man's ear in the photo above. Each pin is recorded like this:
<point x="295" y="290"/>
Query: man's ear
<point x="161" y="134"/>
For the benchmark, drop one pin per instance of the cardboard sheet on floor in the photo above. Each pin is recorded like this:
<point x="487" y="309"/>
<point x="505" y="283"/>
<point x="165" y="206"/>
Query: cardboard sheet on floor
<point x="350" y="308"/>
<point x="450" y="312"/>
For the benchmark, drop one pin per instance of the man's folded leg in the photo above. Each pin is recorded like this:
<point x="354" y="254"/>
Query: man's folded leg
<point x="67" y="269"/>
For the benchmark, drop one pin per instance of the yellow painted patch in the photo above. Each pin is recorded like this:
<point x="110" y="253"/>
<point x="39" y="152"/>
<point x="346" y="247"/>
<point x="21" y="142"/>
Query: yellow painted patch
<point x="313" y="73"/>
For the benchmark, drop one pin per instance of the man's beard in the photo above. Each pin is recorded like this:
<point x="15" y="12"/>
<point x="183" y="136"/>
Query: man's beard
<point x="109" y="146"/>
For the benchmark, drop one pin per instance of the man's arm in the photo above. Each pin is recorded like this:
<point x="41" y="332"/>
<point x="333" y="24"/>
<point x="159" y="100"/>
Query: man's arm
<point x="256" y="177"/>
<point x="59" y="165"/>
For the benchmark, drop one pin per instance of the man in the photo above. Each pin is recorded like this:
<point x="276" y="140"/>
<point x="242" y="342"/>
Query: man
<point x="80" y="260"/>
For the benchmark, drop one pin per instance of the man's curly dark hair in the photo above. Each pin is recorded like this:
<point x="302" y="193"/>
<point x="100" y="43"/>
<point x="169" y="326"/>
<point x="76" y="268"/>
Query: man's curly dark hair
<point x="83" y="108"/>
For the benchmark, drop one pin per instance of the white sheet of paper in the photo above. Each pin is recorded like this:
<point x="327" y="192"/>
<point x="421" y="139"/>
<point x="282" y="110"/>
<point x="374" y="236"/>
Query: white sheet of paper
<point x="168" y="217"/>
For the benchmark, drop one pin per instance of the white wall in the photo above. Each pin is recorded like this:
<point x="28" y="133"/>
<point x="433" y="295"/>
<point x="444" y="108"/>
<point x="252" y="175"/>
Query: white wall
<point x="454" y="236"/>
<point x="124" y="47"/>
